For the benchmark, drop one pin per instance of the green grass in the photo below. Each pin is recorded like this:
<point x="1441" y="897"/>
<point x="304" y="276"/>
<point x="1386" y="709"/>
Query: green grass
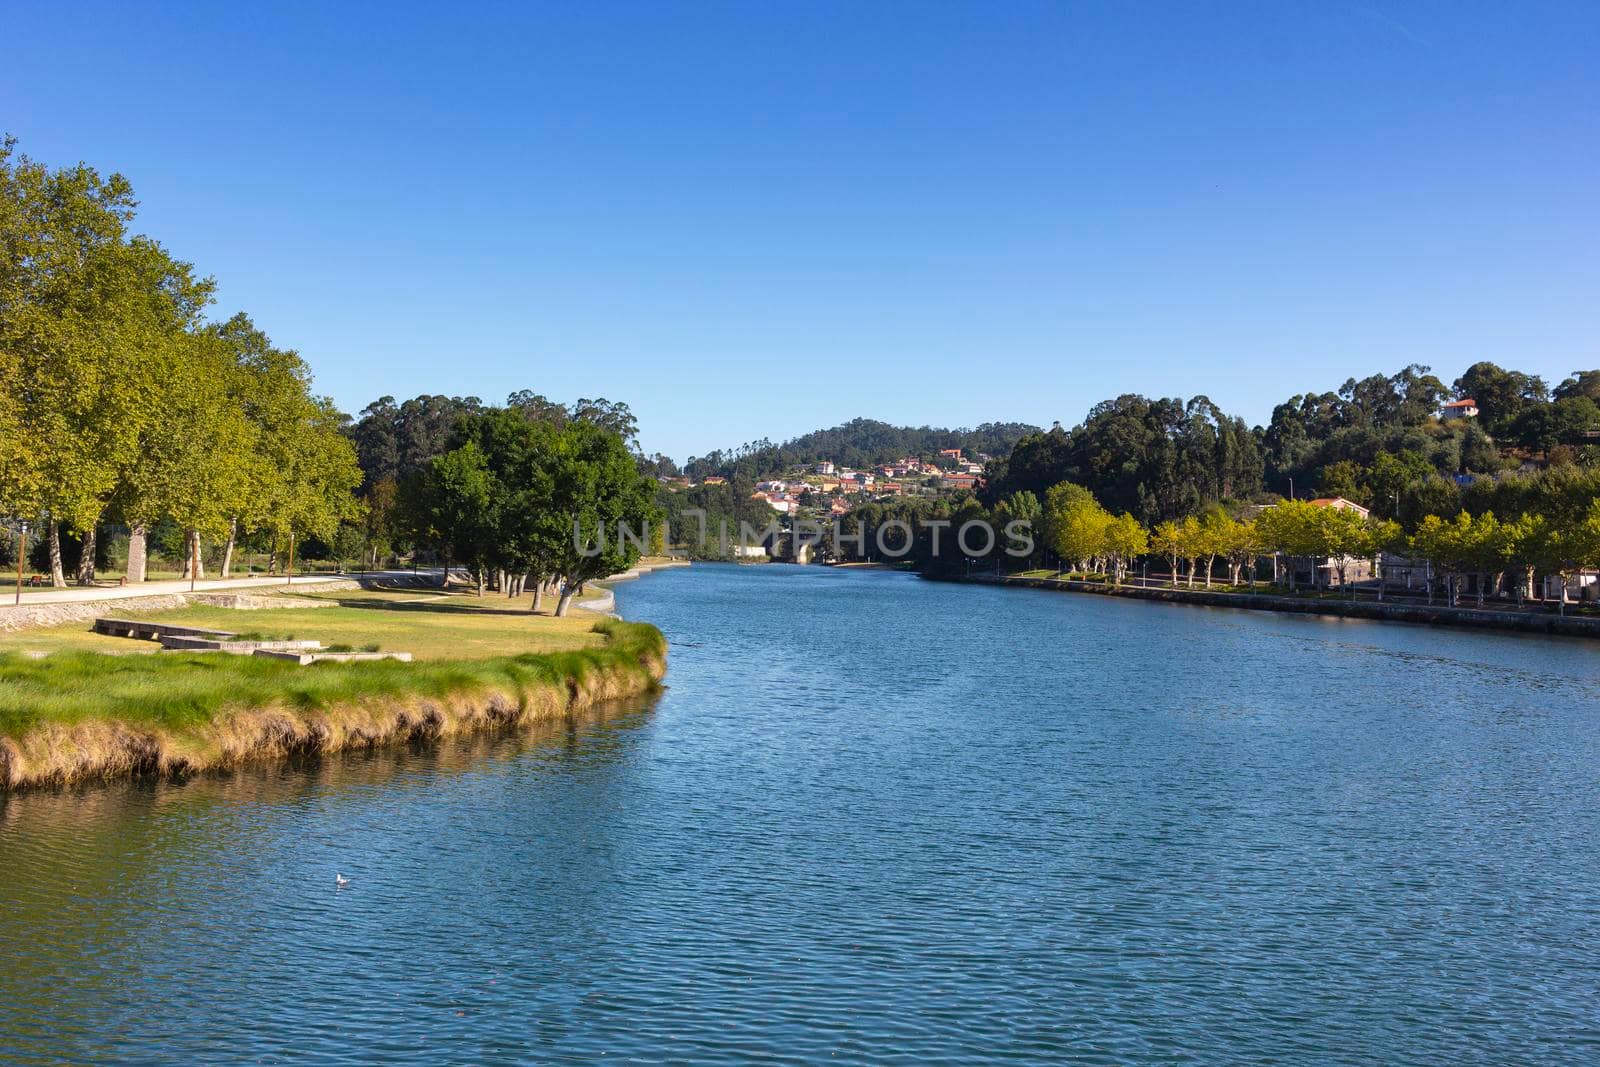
<point x="181" y="694"/>
<point x="431" y="625"/>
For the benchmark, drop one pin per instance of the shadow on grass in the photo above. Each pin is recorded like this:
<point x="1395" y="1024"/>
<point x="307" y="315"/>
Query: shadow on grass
<point x="439" y="607"/>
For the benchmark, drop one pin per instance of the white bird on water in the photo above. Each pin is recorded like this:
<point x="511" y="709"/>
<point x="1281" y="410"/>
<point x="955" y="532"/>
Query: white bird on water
<point x="340" y="880"/>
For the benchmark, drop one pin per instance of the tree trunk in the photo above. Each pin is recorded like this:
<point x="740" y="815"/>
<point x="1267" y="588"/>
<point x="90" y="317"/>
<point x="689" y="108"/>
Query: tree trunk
<point x="567" y="593"/>
<point x="194" y="567"/>
<point x="227" y="552"/>
<point x="86" y="561"/>
<point x="138" y="552"/>
<point x="538" y="593"/>
<point x="57" y="577"/>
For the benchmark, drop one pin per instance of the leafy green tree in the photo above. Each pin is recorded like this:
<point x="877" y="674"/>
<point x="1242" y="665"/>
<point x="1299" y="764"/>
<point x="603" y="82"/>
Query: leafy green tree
<point x="1214" y="535"/>
<point x="1167" y="539"/>
<point x="1244" y="547"/>
<point x="453" y="503"/>
<point x="196" y="470"/>
<point x="1585" y="383"/>
<point x="1500" y="394"/>
<point x="82" y="304"/>
<point x="599" y="493"/>
<point x="1294" y="529"/>
<point x="1125" y="540"/>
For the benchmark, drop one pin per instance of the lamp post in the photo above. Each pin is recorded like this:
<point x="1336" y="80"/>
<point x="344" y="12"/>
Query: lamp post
<point x="22" y="554"/>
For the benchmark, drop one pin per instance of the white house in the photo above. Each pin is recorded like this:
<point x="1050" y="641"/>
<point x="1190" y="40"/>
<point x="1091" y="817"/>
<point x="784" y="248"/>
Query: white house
<point x="1465" y="408"/>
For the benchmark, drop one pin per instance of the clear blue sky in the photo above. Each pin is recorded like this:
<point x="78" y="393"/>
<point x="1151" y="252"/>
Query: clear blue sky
<point x="758" y="219"/>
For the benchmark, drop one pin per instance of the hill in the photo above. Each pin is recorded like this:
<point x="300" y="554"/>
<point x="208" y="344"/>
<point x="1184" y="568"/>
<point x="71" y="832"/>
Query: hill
<point x="857" y="443"/>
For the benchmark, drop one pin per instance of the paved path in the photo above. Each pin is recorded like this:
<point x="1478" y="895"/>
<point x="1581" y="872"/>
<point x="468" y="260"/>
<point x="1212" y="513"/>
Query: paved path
<point x="77" y="594"/>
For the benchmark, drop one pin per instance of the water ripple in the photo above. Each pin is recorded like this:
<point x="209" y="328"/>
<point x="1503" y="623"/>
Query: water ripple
<point x="873" y="819"/>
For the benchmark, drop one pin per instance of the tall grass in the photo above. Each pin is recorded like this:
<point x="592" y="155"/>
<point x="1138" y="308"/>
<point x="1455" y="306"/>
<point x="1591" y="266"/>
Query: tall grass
<point x="75" y="714"/>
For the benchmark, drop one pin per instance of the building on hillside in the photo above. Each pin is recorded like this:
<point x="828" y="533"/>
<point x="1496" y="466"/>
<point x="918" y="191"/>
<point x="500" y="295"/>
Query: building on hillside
<point x="715" y="479"/>
<point x="825" y="467"/>
<point x="960" y="481"/>
<point x="782" y="503"/>
<point x="1465" y="408"/>
<point x="1342" y="504"/>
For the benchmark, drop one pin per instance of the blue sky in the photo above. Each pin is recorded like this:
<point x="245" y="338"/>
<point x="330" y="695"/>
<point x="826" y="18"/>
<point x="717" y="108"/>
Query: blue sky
<point x="757" y="219"/>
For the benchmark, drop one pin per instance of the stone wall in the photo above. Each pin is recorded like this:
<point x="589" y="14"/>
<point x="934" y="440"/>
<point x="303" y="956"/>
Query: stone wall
<point x="32" y="616"/>
<point x="1539" y="622"/>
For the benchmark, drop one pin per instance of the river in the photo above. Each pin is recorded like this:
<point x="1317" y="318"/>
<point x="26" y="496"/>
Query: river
<point x="871" y="818"/>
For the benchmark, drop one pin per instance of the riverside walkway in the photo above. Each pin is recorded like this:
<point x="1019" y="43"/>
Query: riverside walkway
<point x="74" y="594"/>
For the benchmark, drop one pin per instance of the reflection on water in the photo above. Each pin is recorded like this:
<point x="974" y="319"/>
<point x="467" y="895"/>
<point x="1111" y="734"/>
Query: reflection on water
<point x="879" y="819"/>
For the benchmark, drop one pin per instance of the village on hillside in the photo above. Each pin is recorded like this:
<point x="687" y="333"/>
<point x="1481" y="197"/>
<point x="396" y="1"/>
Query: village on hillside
<point x="829" y="489"/>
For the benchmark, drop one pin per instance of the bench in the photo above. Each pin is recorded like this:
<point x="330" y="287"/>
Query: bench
<point x="154" y="631"/>
<point x="186" y="643"/>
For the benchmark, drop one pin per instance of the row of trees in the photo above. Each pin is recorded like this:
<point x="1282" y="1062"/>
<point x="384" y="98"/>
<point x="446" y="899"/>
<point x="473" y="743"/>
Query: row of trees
<point x="1377" y="440"/>
<point x="1075" y="531"/>
<point x="120" y="402"/>
<point x="1501" y="558"/>
<point x="519" y="497"/>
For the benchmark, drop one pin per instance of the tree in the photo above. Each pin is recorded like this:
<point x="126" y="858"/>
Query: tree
<point x="1192" y="539"/>
<point x="1500" y="394"/>
<point x="454" y="503"/>
<point x="1294" y="529"/>
<point x="1125" y="541"/>
<point x="1242" y="545"/>
<point x="1215" y="534"/>
<point x="1166" y="539"/>
<point x="1080" y="532"/>
<point x="196" y="469"/>
<point x="82" y="306"/>
<point x="1060" y="500"/>
<point x="1584" y="383"/>
<point x="598" y="491"/>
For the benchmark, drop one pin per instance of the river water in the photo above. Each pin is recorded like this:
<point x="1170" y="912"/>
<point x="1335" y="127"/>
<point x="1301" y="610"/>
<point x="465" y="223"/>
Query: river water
<point x="872" y="818"/>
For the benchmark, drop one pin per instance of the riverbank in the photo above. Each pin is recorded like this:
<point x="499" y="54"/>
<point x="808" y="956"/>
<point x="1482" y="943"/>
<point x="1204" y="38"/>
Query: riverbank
<point x="1388" y="611"/>
<point x="69" y="712"/>
<point x="604" y="599"/>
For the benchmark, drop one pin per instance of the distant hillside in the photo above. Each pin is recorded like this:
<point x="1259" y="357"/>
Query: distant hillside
<point x="857" y="443"/>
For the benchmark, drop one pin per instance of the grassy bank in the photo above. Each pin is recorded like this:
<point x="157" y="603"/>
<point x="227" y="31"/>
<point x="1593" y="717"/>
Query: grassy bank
<point x="78" y="713"/>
